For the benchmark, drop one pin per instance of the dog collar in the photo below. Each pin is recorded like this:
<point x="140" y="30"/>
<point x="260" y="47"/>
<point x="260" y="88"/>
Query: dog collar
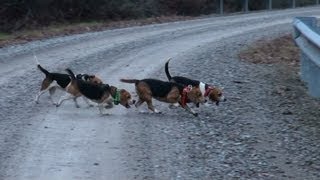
<point x="116" y="98"/>
<point x="208" y="91"/>
<point x="184" y="96"/>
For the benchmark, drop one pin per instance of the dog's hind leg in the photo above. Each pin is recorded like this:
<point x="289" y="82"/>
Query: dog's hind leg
<point x="76" y="102"/>
<point x="138" y="104"/>
<point x="52" y="90"/>
<point x="67" y="96"/>
<point x="151" y="107"/>
<point x="39" y="94"/>
<point x="87" y="101"/>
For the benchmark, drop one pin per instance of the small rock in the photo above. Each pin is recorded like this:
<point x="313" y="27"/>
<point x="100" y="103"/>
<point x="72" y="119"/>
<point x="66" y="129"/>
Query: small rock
<point x="287" y="112"/>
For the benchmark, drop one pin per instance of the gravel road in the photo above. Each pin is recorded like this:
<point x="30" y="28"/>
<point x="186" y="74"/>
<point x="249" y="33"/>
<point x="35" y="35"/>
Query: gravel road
<point x="268" y="128"/>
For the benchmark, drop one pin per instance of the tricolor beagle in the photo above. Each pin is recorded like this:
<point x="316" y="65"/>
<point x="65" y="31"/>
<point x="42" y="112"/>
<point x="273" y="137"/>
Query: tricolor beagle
<point x="103" y="94"/>
<point x="213" y="93"/>
<point x="54" y="81"/>
<point x="168" y="92"/>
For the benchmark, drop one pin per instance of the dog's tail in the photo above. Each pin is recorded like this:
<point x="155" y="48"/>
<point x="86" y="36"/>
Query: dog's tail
<point x="132" y="81"/>
<point x="47" y="73"/>
<point x="166" y="68"/>
<point x="73" y="77"/>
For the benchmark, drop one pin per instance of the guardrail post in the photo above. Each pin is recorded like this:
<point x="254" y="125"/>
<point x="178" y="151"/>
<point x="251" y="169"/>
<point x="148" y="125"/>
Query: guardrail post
<point x="269" y="4"/>
<point x="219" y="6"/>
<point x="245" y="5"/>
<point x="293" y="3"/>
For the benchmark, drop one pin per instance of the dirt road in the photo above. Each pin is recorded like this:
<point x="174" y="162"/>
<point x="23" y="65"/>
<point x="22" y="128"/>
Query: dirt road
<point x="247" y="137"/>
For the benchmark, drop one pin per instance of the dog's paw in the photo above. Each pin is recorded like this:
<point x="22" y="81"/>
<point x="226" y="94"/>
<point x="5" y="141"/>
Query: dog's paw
<point x="90" y="106"/>
<point x="195" y="114"/>
<point x="172" y="106"/>
<point x="157" y="111"/>
<point x="143" y="112"/>
<point x="108" y="106"/>
<point x="104" y="114"/>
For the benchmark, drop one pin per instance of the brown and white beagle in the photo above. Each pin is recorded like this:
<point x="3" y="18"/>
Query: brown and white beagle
<point x="168" y="92"/>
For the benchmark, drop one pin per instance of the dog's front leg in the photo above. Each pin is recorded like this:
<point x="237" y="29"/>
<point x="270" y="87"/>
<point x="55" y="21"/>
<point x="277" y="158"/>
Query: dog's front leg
<point x="152" y="108"/>
<point x="186" y="107"/>
<point x="87" y="101"/>
<point x="101" y="109"/>
<point x="108" y="105"/>
<point x="174" y="105"/>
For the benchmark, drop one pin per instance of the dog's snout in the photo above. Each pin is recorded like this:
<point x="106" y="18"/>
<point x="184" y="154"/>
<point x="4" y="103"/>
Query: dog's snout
<point x="205" y="101"/>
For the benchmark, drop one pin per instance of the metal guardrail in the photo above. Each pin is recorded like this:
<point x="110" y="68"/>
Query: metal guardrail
<point x="269" y="5"/>
<point x="307" y="37"/>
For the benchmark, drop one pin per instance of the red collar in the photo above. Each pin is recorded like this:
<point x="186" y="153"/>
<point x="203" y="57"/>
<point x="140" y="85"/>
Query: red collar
<point x="208" y="91"/>
<point x="184" y="97"/>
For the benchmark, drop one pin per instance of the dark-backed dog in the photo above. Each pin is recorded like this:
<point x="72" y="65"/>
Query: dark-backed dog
<point x="54" y="81"/>
<point x="213" y="93"/>
<point x="168" y="92"/>
<point x="103" y="94"/>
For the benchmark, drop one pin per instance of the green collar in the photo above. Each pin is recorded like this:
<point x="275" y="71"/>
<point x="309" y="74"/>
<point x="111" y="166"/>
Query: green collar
<point x="116" y="98"/>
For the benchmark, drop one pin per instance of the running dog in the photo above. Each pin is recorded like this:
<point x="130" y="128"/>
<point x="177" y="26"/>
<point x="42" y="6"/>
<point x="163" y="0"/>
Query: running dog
<point x="168" y="92"/>
<point x="54" y="81"/>
<point x="212" y="93"/>
<point x="103" y="94"/>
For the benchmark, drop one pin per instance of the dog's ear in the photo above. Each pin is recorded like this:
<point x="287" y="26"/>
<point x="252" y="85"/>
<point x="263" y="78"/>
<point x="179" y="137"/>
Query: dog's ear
<point x="92" y="76"/>
<point x="79" y="76"/>
<point x="86" y="77"/>
<point x="188" y="88"/>
<point x="106" y="87"/>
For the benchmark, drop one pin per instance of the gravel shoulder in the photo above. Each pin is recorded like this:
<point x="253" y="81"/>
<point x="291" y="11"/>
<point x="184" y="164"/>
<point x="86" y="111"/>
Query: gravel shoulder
<point x="268" y="129"/>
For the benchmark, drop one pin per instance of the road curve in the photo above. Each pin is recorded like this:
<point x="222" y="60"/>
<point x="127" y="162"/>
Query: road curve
<point x="40" y="141"/>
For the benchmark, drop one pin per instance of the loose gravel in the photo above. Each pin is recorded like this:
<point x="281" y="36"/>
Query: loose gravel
<point x="268" y="128"/>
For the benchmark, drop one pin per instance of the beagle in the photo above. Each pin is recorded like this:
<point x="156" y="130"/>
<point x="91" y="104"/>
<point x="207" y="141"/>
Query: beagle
<point x="168" y="92"/>
<point x="212" y="93"/>
<point x="103" y="94"/>
<point x="54" y="81"/>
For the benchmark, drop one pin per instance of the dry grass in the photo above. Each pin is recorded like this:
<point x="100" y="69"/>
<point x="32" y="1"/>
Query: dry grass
<point x="279" y="50"/>
<point x="24" y="36"/>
